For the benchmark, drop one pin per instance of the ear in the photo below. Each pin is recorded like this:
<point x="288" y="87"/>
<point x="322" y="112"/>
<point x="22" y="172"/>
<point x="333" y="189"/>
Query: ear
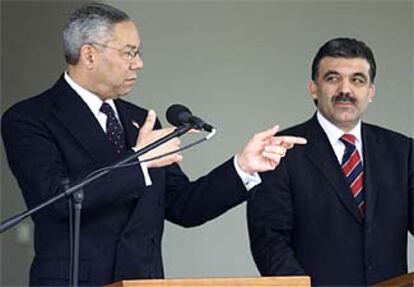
<point x="87" y="56"/>
<point x="371" y="92"/>
<point x="313" y="89"/>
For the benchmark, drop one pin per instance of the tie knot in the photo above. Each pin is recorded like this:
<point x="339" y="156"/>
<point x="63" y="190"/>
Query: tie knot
<point x="107" y="110"/>
<point x="348" y="139"/>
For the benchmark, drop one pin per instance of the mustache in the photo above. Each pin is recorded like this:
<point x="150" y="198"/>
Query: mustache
<point x="343" y="98"/>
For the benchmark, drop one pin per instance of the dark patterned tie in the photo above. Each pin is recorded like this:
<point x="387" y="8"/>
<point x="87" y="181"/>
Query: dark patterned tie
<point x="353" y="170"/>
<point x="113" y="128"/>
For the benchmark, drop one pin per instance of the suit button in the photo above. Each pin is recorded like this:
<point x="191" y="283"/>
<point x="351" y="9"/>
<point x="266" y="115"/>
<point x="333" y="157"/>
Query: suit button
<point x="368" y="231"/>
<point x="153" y="240"/>
<point x="161" y="202"/>
<point x="369" y="267"/>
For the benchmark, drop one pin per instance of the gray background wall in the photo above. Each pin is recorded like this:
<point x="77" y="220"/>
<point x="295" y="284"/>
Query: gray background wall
<point x="242" y="65"/>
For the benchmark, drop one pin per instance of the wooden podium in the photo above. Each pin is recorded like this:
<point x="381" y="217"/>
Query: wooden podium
<point x="406" y="280"/>
<point x="281" y="281"/>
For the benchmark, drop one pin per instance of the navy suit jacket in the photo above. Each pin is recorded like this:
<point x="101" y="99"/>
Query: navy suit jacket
<point x="304" y="220"/>
<point x="55" y="136"/>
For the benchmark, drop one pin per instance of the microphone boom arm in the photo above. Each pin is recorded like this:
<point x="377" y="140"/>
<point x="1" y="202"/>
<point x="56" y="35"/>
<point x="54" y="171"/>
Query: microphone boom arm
<point x="12" y="221"/>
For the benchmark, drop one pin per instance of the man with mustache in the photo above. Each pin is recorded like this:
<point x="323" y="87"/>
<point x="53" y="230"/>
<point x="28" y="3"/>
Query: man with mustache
<point x="81" y="124"/>
<point x="339" y="208"/>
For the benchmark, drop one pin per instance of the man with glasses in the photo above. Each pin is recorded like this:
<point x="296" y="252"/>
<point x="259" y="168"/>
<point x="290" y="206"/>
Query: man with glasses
<point x="80" y="125"/>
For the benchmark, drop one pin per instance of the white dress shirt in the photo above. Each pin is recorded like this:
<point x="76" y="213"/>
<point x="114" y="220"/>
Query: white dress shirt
<point x="92" y="101"/>
<point x="334" y="134"/>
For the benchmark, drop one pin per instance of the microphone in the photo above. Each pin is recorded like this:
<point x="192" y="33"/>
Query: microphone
<point x="179" y="115"/>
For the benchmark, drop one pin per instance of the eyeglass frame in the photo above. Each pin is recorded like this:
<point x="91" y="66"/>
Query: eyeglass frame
<point x="132" y="54"/>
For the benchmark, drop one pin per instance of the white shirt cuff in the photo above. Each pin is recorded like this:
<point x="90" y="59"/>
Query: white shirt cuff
<point x="249" y="180"/>
<point x="145" y="172"/>
<point x="144" y="168"/>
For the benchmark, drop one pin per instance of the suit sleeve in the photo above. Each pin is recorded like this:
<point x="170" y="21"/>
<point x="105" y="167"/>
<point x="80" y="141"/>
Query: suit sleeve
<point x="193" y="203"/>
<point x="270" y="215"/>
<point x="36" y="158"/>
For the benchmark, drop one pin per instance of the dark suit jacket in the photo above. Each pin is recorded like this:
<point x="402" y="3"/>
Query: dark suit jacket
<point x="55" y="136"/>
<point x="304" y="220"/>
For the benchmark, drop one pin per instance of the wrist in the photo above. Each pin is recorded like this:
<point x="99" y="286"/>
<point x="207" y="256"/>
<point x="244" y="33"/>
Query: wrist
<point x="241" y="162"/>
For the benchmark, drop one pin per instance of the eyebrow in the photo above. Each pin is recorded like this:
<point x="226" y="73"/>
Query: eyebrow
<point x="329" y="73"/>
<point x="132" y="46"/>
<point x="333" y="72"/>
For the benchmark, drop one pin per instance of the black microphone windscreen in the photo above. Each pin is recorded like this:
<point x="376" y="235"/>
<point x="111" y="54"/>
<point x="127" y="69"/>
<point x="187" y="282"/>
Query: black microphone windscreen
<point x="175" y="114"/>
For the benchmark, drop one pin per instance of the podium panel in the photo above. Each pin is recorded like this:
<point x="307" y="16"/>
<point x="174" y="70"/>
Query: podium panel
<point x="280" y="281"/>
<point x="406" y="280"/>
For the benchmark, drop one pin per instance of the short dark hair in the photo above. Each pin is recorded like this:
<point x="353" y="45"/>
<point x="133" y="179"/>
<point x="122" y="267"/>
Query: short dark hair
<point x="345" y="48"/>
<point x="89" y="23"/>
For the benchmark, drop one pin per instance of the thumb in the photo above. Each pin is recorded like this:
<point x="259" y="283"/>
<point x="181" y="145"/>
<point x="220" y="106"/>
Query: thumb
<point x="148" y="125"/>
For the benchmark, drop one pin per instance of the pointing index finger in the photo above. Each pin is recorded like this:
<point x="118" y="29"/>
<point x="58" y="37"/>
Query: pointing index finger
<point x="288" y="141"/>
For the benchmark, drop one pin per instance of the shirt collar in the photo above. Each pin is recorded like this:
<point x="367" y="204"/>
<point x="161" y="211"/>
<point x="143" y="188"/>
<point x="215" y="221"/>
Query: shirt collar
<point x="93" y="101"/>
<point x="334" y="133"/>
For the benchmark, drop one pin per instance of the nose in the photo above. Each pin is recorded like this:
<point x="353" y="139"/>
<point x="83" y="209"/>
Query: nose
<point x="137" y="63"/>
<point x="345" y="86"/>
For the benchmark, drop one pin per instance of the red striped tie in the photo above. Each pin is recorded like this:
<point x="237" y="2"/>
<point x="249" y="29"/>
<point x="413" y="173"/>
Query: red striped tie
<point x="353" y="170"/>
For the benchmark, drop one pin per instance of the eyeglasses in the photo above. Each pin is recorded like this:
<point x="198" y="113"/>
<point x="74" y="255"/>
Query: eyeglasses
<point x="127" y="55"/>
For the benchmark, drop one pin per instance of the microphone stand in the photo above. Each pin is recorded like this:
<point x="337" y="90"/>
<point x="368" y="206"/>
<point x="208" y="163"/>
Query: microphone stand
<point x="76" y="190"/>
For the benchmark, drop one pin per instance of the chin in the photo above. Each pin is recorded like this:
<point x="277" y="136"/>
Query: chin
<point x="347" y="121"/>
<point x="124" y="93"/>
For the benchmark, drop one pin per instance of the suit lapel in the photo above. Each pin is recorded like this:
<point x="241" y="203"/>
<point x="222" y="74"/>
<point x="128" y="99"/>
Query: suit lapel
<point x="372" y="162"/>
<point x="127" y="121"/>
<point x="80" y="122"/>
<point x="321" y="154"/>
